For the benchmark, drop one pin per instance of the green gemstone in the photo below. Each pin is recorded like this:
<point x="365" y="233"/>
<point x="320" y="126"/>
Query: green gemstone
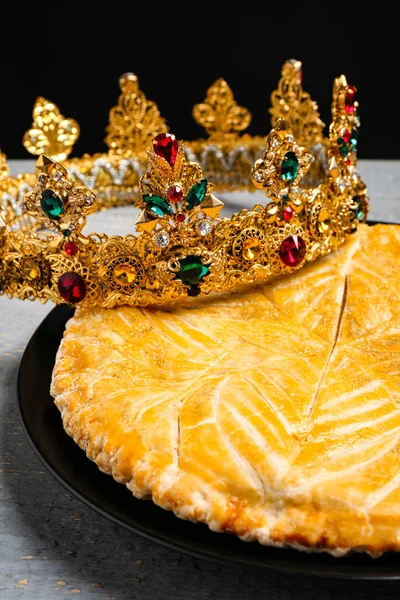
<point x="289" y="167"/>
<point x="196" y="194"/>
<point x="192" y="270"/>
<point x="52" y="204"/>
<point x="157" y="205"/>
<point x="343" y="149"/>
<point x="353" y="139"/>
<point x="358" y="211"/>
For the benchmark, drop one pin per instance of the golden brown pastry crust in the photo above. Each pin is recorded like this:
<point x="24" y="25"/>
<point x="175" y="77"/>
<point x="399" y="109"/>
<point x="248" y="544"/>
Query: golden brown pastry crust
<point x="273" y="414"/>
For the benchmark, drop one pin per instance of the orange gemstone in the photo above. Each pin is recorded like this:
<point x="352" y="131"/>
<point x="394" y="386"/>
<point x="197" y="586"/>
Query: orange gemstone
<point x="251" y="249"/>
<point x="31" y="270"/>
<point x="124" y="274"/>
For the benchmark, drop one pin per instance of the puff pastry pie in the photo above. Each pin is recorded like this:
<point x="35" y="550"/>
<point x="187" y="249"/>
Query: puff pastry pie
<point x="273" y="413"/>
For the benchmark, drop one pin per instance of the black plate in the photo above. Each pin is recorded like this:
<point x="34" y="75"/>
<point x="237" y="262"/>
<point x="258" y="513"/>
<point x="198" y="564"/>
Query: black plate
<point x="82" y="478"/>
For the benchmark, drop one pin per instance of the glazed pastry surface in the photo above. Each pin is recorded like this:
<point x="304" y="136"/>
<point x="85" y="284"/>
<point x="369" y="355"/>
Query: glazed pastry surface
<point x="272" y="413"/>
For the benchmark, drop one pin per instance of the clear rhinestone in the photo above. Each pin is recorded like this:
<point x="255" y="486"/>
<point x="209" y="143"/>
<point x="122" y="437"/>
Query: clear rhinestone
<point x="258" y="176"/>
<point x="161" y="239"/>
<point x="41" y="178"/>
<point x="341" y="185"/>
<point x="89" y="200"/>
<point x="290" y="139"/>
<point x="57" y="176"/>
<point x="72" y="227"/>
<point x="274" y="143"/>
<point x="204" y="227"/>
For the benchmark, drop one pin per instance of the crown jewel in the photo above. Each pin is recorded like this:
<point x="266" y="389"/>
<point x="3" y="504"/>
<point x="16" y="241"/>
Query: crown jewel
<point x="182" y="246"/>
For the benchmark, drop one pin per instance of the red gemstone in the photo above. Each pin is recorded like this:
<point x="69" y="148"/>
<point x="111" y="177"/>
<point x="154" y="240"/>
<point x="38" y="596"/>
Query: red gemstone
<point x="346" y="136"/>
<point x="350" y="99"/>
<point x="348" y="162"/>
<point x="292" y="251"/>
<point x="72" y="288"/>
<point x="300" y="75"/>
<point x="180" y="217"/>
<point x="71" y="248"/>
<point x="166" y="146"/>
<point x="288" y="213"/>
<point x="175" y="193"/>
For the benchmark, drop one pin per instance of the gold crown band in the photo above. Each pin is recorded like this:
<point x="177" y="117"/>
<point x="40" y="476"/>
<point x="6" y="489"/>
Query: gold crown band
<point x="182" y="247"/>
<point x="226" y="156"/>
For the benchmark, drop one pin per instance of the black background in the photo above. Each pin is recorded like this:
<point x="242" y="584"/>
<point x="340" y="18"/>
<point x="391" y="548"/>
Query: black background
<point x="177" y="62"/>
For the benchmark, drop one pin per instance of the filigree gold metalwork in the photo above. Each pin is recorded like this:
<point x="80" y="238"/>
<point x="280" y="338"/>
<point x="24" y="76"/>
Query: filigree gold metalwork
<point x="226" y="157"/>
<point x="51" y="133"/>
<point x="220" y="114"/>
<point x="76" y="201"/>
<point x="292" y="103"/>
<point x="182" y="247"/>
<point x="134" y="122"/>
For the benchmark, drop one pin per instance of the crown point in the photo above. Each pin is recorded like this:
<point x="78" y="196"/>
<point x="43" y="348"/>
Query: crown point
<point x="221" y="82"/>
<point x="128" y="81"/>
<point x="294" y="63"/>
<point x="166" y="146"/>
<point x="295" y="67"/>
<point x="220" y="114"/>
<point x="42" y="103"/>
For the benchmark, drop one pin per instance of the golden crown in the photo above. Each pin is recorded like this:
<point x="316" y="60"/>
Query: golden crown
<point x="181" y="246"/>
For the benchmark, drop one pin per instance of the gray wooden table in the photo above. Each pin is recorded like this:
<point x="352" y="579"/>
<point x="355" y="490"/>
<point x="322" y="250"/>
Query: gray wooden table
<point x="52" y="546"/>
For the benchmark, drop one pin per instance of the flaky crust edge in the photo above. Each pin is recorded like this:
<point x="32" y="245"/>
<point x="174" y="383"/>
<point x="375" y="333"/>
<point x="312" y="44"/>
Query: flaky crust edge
<point x="309" y="525"/>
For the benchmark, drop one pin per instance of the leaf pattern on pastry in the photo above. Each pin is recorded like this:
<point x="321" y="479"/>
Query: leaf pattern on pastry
<point x="273" y="414"/>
